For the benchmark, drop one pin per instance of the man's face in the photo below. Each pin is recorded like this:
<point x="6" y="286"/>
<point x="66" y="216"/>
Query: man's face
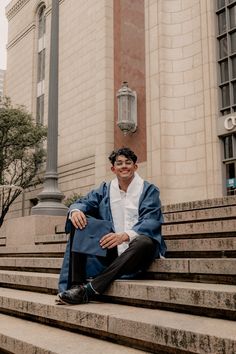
<point x="124" y="168"/>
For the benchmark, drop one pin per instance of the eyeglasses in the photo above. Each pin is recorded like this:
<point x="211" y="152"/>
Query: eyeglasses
<point x="126" y="163"/>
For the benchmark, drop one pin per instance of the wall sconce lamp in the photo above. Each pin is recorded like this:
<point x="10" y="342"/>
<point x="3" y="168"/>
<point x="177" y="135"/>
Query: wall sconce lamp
<point x="127" y="109"/>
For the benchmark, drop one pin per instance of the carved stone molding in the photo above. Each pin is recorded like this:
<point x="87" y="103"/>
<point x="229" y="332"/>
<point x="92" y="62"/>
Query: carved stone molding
<point x="16" y="8"/>
<point x="21" y="3"/>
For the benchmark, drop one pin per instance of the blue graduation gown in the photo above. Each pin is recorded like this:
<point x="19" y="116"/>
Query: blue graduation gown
<point x="97" y="204"/>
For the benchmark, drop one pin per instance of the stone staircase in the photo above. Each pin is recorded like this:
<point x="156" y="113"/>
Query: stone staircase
<point x="185" y="304"/>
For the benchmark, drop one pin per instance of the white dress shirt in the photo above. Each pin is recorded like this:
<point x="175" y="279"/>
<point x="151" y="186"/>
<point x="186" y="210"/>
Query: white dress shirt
<point x="124" y="208"/>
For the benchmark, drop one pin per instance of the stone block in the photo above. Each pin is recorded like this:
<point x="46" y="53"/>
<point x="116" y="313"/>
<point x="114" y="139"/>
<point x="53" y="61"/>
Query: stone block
<point x="202" y="245"/>
<point x="22" y="231"/>
<point x="201" y="214"/>
<point x="42" y="339"/>
<point x="204" y="227"/>
<point x="213" y="266"/>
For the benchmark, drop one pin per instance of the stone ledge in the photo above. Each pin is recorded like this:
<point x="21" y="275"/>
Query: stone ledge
<point x="27" y="228"/>
<point x="203" y="244"/>
<point x="151" y="293"/>
<point x="53" y="238"/>
<point x="42" y="339"/>
<point x="153" y="330"/>
<point x="203" y="214"/>
<point x="200" y="204"/>
<point x="31" y="262"/>
<point x="223" y="266"/>
<point x="58" y="248"/>
<point x="199" y="228"/>
<point x="47" y="245"/>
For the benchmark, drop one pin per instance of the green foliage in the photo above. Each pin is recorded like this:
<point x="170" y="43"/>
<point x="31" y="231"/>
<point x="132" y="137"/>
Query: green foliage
<point x="72" y="199"/>
<point x="21" y="150"/>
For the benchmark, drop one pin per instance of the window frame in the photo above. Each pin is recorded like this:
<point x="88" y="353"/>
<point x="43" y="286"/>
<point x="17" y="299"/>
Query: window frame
<point x="226" y="55"/>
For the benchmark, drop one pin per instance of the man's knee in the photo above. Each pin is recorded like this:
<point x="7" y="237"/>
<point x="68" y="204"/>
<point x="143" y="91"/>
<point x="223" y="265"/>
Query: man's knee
<point x="143" y="242"/>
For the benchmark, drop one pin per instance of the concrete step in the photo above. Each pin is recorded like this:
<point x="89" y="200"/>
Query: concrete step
<point x="41" y="282"/>
<point x="20" y="336"/>
<point x="51" y="238"/>
<point x="225" y="212"/>
<point x="210" y="266"/>
<point x="37" y="264"/>
<point x="221" y="270"/>
<point x="216" y="228"/>
<point x="214" y="300"/>
<point x="217" y="270"/>
<point x="146" y="329"/>
<point x="202" y="247"/>
<point x="200" y="204"/>
<point x="45" y="250"/>
<point x="187" y="224"/>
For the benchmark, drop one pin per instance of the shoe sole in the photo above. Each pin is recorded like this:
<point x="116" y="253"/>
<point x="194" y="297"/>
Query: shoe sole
<point x="59" y="301"/>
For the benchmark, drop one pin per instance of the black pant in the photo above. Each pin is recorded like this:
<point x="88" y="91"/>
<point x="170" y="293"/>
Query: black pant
<point x="138" y="256"/>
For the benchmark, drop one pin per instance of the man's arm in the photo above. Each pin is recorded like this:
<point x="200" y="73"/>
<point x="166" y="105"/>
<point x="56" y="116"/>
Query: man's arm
<point x="78" y="219"/>
<point x="150" y="217"/>
<point x="150" y="214"/>
<point x="114" y="239"/>
<point x="86" y="205"/>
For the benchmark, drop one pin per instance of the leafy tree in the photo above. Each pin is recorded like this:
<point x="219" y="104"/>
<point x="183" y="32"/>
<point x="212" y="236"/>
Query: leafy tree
<point x="72" y="199"/>
<point x="21" y="153"/>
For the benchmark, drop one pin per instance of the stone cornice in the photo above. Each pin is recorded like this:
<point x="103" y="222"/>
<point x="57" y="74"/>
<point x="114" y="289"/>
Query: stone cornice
<point x="20" y="35"/>
<point x="14" y="9"/>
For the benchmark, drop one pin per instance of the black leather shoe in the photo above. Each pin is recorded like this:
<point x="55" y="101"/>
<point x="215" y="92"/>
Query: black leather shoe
<point x="76" y="295"/>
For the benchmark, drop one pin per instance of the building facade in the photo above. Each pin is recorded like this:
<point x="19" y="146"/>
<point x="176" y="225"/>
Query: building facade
<point x="2" y="78"/>
<point x="179" y="56"/>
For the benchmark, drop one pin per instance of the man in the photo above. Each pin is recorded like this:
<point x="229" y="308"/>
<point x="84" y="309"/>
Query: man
<point x="133" y="208"/>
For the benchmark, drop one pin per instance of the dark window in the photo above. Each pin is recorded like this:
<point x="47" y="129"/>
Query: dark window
<point x="232" y="16"/>
<point x="234" y="66"/>
<point x="234" y="92"/>
<point x="230" y="163"/>
<point x="226" y="19"/>
<point x="230" y="170"/>
<point x="233" y="42"/>
<point x="225" y="96"/>
<point x="42" y="22"/>
<point x="41" y="65"/>
<point x="222" y="22"/>
<point x="228" y="147"/>
<point x="220" y="3"/>
<point x="223" y="47"/>
<point x="40" y="109"/>
<point x="224" y="71"/>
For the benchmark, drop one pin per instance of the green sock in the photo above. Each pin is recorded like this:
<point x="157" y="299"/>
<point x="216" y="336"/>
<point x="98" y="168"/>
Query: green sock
<point x="90" y="290"/>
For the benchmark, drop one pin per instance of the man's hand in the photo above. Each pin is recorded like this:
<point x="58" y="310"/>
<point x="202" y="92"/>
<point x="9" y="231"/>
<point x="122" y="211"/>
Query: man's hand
<point x="78" y="219"/>
<point x="113" y="239"/>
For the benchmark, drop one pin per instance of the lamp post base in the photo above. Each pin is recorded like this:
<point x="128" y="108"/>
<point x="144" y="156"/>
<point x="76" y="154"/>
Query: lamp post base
<point x="50" y="204"/>
<point x="49" y="208"/>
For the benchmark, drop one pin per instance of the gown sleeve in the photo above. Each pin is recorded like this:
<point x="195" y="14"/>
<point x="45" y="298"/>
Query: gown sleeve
<point x="150" y="216"/>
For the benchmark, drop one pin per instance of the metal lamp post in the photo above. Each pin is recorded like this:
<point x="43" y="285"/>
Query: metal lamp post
<point x="50" y="198"/>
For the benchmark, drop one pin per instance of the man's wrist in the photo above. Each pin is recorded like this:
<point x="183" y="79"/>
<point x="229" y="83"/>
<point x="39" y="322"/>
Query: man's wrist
<point x="71" y="212"/>
<point x="132" y="234"/>
<point x="125" y="237"/>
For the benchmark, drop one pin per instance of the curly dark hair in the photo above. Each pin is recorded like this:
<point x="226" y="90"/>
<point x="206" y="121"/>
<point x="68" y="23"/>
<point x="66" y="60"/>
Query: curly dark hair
<point x="124" y="151"/>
